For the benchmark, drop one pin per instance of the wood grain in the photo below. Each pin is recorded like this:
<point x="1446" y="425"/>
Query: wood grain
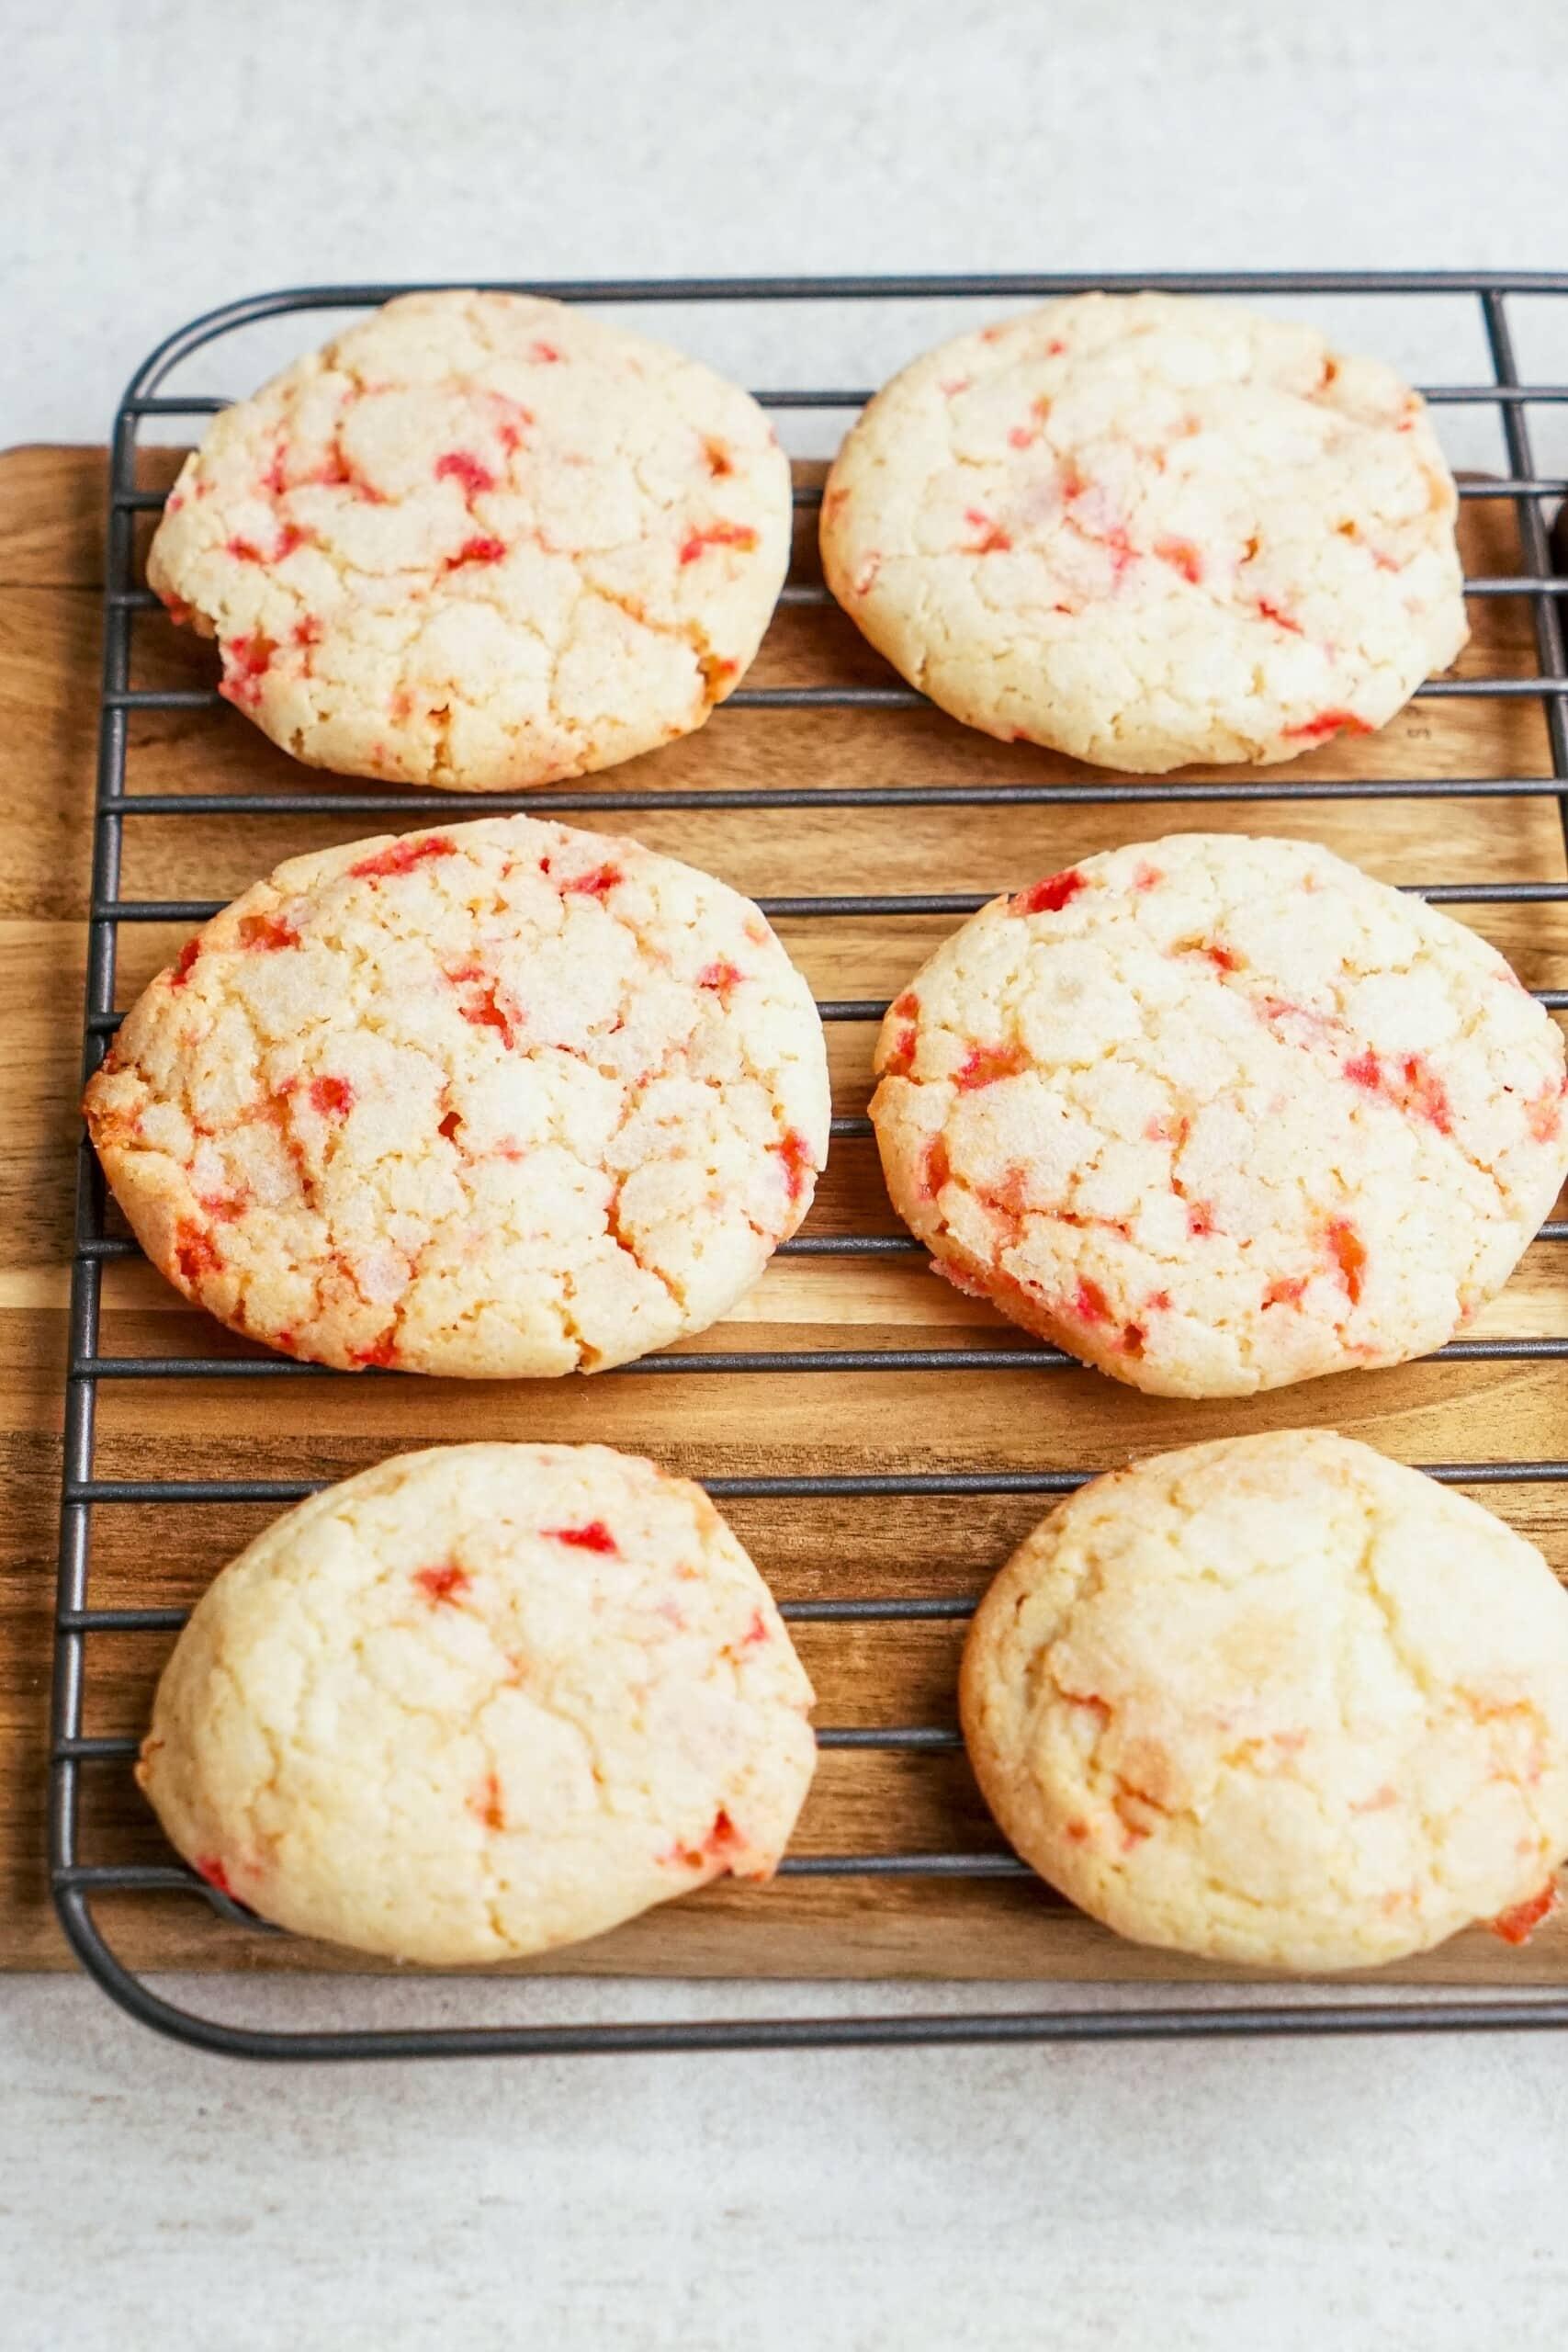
<point x="50" y="562"/>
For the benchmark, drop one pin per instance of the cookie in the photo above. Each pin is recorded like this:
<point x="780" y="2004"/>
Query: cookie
<point x="1278" y="1699"/>
<point x="1147" y="531"/>
<point x="482" y="1700"/>
<point x="1217" y="1114"/>
<point x="497" y="1101"/>
<point x="480" y="541"/>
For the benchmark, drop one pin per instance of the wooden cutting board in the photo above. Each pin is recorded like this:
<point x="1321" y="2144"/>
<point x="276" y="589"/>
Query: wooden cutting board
<point x="866" y="1674"/>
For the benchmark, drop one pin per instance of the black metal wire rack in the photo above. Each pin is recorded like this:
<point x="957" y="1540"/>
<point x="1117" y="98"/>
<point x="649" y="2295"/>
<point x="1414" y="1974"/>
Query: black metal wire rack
<point x="79" y="1883"/>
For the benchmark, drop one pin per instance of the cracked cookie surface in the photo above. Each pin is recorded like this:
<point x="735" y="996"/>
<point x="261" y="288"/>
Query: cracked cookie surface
<point x="1216" y="1113"/>
<point x="1147" y="530"/>
<point x="1278" y="1699"/>
<point x="481" y="1700"/>
<point x="496" y="1101"/>
<point x="480" y="541"/>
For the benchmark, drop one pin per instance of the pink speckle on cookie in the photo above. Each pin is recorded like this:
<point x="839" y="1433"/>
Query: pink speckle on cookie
<point x="331" y="1097"/>
<point x="381" y="1355"/>
<point x="462" y="466"/>
<point x="266" y="933"/>
<point x="337" y="473"/>
<point x="900" y="1057"/>
<point x="225" y="1208"/>
<point x="1424" y="1096"/>
<point x="183" y="963"/>
<point x="740" y="536"/>
<point x="546" y="354"/>
<point x="720" y="977"/>
<point x="402" y="857"/>
<point x="246" y="661"/>
<point x="443" y="1586"/>
<point x="196" y="1253"/>
<point x="1410" y="1084"/>
<point x="1048" y="897"/>
<point x="290" y="537"/>
<point x="794" y="1153"/>
<point x="1324" y="723"/>
<point x="596" y="884"/>
<point x="484" y="547"/>
<point x="935" y="1169"/>
<point x="717" y="459"/>
<point x="512" y="423"/>
<point x="1090" y="1302"/>
<point x="723" y="1837"/>
<point x="1288" y="1290"/>
<point x="593" y="1537"/>
<point x="210" y="1867"/>
<point x="722" y="1841"/>
<point x="1183" y="557"/>
<point x="1544" y="1112"/>
<point x="1517" y="1925"/>
<point x="992" y="538"/>
<point x="983" y="1064"/>
<point x="483" y="1006"/>
<point x="1350" y="1254"/>
<point x="486" y="1803"/>
<point x="1281" y="619"/>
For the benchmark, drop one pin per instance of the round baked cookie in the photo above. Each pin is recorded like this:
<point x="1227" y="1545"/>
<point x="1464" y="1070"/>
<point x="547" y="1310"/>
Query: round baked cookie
<point x="496" y="1101"/>
<point x="480" y="541"/>
<point x="481" y="1700"/>
<point x="1278" y="1699"/>
<point x="1217" y="1114"/>
<point x="1147" y="530"/>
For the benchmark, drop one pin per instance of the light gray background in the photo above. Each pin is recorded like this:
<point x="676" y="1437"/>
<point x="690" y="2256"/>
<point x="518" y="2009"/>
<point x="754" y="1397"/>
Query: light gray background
<point x="166" y="155"/>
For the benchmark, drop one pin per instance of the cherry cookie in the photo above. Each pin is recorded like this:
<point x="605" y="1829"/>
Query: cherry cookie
<point x="1278" y="1699"/>
<point x="497" y="1101"/>
<point x="480" y="541"/>
<point x="1147" y="531"/>
<point x="482" y="1700"/>
<point x="1217" y="1114"/>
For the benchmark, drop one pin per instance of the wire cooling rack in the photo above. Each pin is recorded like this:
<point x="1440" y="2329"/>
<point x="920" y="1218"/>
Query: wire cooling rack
<point x="78" y="1883"/>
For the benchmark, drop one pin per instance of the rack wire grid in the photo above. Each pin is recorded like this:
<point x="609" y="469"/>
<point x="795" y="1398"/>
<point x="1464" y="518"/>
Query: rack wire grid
<point x="77" y="1883"/>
